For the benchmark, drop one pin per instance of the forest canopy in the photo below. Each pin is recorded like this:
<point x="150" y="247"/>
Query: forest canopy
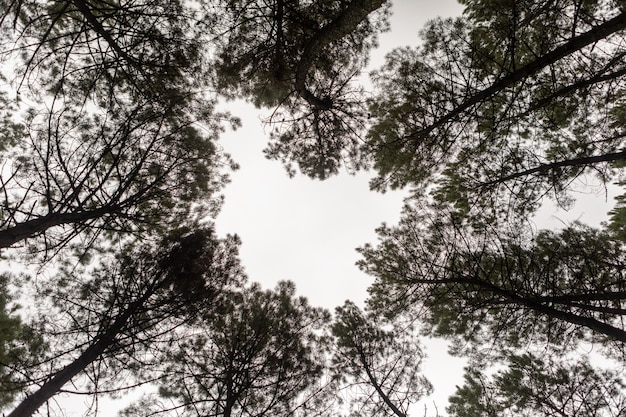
<point x="112" y="175"/>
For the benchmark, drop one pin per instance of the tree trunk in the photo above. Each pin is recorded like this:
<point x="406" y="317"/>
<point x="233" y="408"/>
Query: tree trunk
<point x="575" y="44"/>
<point x="32" y="402"/>
<point x="35" y="400"/>
<point x="34" y="227"/>
<point x="97" y="26"/>
<point x="336" y="29"/>
<point x="597" y="79"/>
<point x="532" y="304"/>
<point x="543" y="168"/>
<point x="377" y="386"/>
<point x="567" y="298"/>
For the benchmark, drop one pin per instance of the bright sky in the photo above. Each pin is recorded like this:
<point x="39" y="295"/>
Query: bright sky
<point x="307" y="230"/>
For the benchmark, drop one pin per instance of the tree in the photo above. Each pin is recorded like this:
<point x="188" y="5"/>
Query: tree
<point x="530" y="386"/>
<point x="123" y="309"/>
<point x="298" y="56"/>
<point x="118" y="133"/>
<point x="96" y="50"/>
<point x="259" y="358"/>
<point x="127" y="170"/>
<point x="500" y="289"/>
<point x="301" y="57"/>
<point x="617" y="217"/>
<point x="20" y="346"/>
<point x="380" y="366"/>
<point x="503" y="106"/>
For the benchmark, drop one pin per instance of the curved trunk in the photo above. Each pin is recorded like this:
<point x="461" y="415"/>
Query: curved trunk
<point x="336" y="29"/>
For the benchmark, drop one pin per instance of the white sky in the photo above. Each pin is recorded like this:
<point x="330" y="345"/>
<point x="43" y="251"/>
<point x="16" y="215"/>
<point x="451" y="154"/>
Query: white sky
<point x="307" y="230"/>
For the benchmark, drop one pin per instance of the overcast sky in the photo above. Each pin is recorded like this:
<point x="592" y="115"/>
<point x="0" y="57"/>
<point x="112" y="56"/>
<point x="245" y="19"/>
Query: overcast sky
<point x="307" y="230"/>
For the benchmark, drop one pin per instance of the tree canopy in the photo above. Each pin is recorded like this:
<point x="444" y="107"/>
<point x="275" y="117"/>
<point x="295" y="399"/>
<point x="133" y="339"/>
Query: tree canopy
<point x="20" y="346"/>
<point x="107" y="323"/>
<point x="497" y="286"/>
<point x="503" y="106"/>
<point x="114" y="131"/>
<point x="531" y="386"/>
<point x="381" y="367"/>
<point x="259" y="357"/>
<point x="301" y="57"/>
<point x="111" y="171"/>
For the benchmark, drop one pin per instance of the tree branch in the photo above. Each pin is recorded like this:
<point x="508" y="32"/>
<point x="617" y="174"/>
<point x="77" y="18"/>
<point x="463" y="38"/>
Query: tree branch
<point x="575" y="44"/>
<point x="342" y="25"/>
<point x="34" y="227"/>
<point x="543" y="168"/>
<point x="32" y="402"/>
<point x="376" y="386"/>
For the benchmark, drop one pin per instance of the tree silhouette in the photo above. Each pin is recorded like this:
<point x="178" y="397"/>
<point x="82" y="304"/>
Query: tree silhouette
<point x="258" y="358"/>
<point x="111" y="320"/>
<point x="495" y="288"/>
<point x="380" y="367"/>
<point x="504" y="106"/>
